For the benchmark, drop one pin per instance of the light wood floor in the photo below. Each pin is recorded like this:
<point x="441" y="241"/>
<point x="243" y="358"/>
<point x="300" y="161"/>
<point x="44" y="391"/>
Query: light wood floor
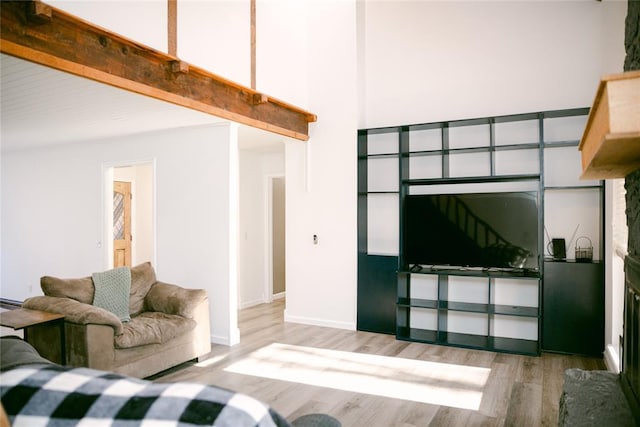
<point x="518" y="391"/>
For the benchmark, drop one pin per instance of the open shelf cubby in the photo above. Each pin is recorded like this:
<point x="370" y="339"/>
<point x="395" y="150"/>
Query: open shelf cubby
<point x="479" y="311"/>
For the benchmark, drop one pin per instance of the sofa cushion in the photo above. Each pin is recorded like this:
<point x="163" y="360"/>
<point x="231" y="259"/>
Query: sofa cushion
<point x="81" y="290"/>
<point x="112" y="289"/>
<point x="143" y="276"/>
<point x="153" y="328"/>
<point x="173" y="299"/>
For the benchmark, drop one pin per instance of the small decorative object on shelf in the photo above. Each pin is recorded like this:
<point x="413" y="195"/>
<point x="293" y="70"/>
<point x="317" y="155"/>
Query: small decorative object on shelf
<point x="558" y="249"/>
<point x="584" y="253"/>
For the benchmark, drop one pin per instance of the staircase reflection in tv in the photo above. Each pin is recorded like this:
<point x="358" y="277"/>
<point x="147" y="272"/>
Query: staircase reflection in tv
<point x="487" y="230"/>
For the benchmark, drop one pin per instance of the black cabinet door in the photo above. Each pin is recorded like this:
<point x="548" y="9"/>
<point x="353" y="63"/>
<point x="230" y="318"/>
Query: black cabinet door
<point x="377" y="279"/>
<point x="573" y="308"/>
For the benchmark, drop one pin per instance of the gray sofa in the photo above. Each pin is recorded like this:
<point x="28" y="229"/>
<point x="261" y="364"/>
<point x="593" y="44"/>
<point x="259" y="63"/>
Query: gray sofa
<point x="169" y="325"/>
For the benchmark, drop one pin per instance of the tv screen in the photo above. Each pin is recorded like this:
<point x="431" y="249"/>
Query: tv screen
<point x="488" y="230"/>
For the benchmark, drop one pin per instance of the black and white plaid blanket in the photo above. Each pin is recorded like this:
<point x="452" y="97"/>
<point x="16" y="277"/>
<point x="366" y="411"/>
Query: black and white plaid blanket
<point x="51" y="395"/>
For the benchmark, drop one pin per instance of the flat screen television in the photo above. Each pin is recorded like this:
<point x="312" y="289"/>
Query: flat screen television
<point x="485" y="230"/>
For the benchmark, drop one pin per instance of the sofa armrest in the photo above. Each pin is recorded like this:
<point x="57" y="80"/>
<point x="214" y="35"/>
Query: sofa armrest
<point x="173" y="299"/>
<point x="75" y="311"/>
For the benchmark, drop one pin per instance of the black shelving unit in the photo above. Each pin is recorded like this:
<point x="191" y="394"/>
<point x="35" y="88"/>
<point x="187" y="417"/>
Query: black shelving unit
<point x="573" y="292"/>
<point x="424" y="158"/>
<point x="442" y="306"/>
<point x="573" y="314"/>
<point x="376" y="311"/>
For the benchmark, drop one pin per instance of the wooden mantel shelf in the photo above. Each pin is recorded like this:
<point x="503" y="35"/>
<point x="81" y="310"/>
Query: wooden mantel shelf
<point x="610" y="145"/>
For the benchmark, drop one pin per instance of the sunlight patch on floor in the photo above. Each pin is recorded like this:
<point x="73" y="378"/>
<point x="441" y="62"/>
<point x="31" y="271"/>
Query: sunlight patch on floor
<point x="435" y="383"/>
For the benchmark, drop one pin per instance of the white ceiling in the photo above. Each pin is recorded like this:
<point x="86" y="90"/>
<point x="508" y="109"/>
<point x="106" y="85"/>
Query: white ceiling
<point x="41" y="106"/>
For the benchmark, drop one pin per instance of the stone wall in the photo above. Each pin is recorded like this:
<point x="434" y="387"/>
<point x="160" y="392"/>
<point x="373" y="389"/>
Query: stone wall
<point x="632" y="181"/>
<point x="632" y="185"/>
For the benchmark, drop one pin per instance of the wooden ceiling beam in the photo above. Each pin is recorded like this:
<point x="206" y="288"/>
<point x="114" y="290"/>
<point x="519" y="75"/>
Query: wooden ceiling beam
<point x="48" y="36"/>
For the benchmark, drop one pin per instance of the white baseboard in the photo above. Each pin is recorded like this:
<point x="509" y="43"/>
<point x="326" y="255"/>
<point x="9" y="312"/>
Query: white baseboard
<point x="253" y="303"/>
<point x="248" y="304"/>
<point x="612" y="359"/>
<point x="215" y="339"/>
<point x="228" y="341"/>
<point x="319" y="322"/>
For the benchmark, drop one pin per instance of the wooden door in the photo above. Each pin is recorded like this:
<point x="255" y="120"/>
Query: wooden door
<point x="121" y="224"/>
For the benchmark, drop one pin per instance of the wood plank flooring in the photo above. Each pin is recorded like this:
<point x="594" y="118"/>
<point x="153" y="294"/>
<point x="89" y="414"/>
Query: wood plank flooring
<point x="513" y="390"/>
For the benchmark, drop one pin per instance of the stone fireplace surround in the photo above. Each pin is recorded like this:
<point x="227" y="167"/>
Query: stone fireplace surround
<point x="630" y="376"/>
<point x="602" y="397"/>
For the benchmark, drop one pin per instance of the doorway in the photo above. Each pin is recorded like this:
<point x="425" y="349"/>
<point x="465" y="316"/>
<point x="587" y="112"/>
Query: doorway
<point x="129" y="214"/>
<point x="278" y="237"/>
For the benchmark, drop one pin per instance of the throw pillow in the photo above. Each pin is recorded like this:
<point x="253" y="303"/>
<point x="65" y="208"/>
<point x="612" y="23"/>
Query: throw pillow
<point x="112" y="288"/>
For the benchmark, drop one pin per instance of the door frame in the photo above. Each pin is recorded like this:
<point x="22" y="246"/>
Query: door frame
<point x="107" y="207"/>
<point x="268" y="246"/>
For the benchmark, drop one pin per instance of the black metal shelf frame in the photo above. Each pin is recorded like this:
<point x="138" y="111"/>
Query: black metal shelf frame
<point x="574" y="187"/>
<point x="442" y="305"/>
<point x="481" y="342"/>
<point x="472" y="179"/>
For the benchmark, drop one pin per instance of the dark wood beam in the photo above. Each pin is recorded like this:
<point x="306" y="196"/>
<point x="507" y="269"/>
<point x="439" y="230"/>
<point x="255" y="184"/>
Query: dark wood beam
<point x="46" y="35"/>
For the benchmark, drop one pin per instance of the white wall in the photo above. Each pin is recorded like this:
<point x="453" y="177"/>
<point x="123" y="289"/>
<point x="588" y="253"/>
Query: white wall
<point x="144" y="249"/>
<point x="215" y="35"/>
<point x="613" y="61"/>
<point x="614" y="285"/>
<point x="409" y="62"/>
<point x="1" y="209"/>
<point x="419" y="62"/>
<point x="53" y="213"/>
<point x="255" y="168"/>
<point x="613" y="53"/>
<point x="321" y="176"/>
<point x="144" y="21"/>
<point x="431" y="61"/>
<point x="282" y="50"/>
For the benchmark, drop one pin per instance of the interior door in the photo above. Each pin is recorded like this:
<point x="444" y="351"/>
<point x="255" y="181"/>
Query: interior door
<point x="121" y="224"/>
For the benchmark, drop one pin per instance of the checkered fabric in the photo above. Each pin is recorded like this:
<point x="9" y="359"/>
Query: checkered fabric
<point x="48" y="396"/>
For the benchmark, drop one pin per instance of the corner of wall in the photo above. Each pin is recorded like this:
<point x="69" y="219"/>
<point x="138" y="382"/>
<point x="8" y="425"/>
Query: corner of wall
<point x="230" y="341"/>
<point x="612" y="359"/>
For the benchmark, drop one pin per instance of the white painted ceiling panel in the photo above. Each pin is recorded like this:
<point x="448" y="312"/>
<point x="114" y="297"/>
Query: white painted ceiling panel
<point x="41" y="106"/>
